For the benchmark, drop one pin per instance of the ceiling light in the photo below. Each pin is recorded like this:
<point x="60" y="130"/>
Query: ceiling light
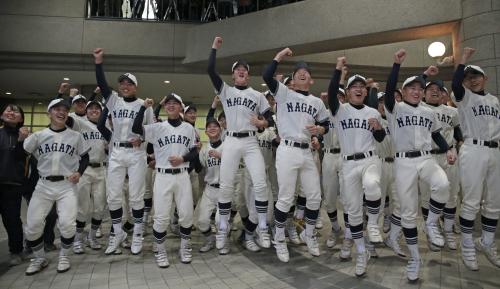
<point x="65" y="79"/>
<point x="263" y="84"/>
<point x="167" y="81"/>
<point x="39" y="103"/>
<point x="8" y="93"/>
<point x="436" y="49"/>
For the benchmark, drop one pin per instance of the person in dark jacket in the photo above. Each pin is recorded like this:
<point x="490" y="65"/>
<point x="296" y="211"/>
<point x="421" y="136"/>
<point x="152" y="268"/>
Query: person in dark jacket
<point x="12" y="162"/>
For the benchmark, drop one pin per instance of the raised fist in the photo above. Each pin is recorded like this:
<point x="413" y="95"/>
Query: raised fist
<point x="217" y="42"/>
<point x="283" y="53"/>
<point x="98" y="55"/>
<point x="73" y="92"/>
<point x="467" y="53"/>
<point x="400" y="56"/>
<point x="148" y="103"/>
<point x="341" y="62"/>
<point x="431" y="71"/>
<point x="63" y="87"/>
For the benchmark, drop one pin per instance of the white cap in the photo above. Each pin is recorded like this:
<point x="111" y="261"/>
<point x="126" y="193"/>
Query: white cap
<point x="474" y="67"/>
<point x="128" y="76"/>
<point x="78" y="97"/>
<point x="355" y="77"/>
<point x="56" y="102"/>
<point x="93" y="102"/>
<point x="415" y="78"/>
<point x="176" y="97"/>
<point x="380" y="94"/>
<point x="341" y="90"/>
<point x="238" y="63"/>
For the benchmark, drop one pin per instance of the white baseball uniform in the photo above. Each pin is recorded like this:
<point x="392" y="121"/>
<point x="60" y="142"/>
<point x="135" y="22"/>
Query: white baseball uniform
<point x="331" y="168"/>
<point x="58" y="155"/>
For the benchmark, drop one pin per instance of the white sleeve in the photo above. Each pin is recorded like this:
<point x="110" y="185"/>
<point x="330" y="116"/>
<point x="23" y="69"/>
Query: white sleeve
<point x="203" y="156"/>
<point x="83" y="147"/>
<point x="281" y="92"/>
<point x="193" y="138"/>
<point x="323" y="113"/>
<point x="30" y="144"/>
<point x="149" y="116"/>
<point x="436" y="124"/>
<point x="223" y="91"/>
<point x="149" y="132"/>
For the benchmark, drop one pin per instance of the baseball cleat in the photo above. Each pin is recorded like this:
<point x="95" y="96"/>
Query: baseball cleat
<point x="319" y="224"/>
<point x="114" y="242"/>
<point x="371" y="249"/>
<point x="293" y="236"/>
<point x="220" y="239"/>
<point x="225" y="250"/>
<point x="345" y="250"/>
<point x="361" y="263"/>
<point x="394" y="245"/>
<point x="78" y="247"/>
<point x="136" y="246"/>
<point x="208" y="245"/>
<point x="412" y="269"/>
<point x="451" y="240"/>
<point x="469" y="257"/>
<point x="161" y="257"/>
<point x="63" y="265"/>
<point x="94" y="244"/>
<point x="434" y="235"/>
<point x="489" y="251"/>
<point x="185" y="253"/>
<point x="98" y="233"/>
<point x="263" y="238"/>
<point x="374" y="233"/>
<point x="282" y="251"/>
<point x="332" y="239"/>
<point x="36" y="265"/>
<point x="312" y="243"/>
<point x="387" y="224"/>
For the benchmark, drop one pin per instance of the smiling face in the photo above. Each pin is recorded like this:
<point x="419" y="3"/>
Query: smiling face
<point x="357" y="92"/>
<point x="433" y="94"/>
<point x="213" y="131"/>
<point x="474" y="82"/>
<point x="190" y="116"/>
<point x="173" y="108"/>
<point x="302" y="79"/>
<point x="12" y="116"/>
<point x="58" y="116"/>
<point x="126" y="88"/>
<point x="94" y="112"/>
<point x="240" y="75"/>
<point x="413" y="93"/>
<point x="79" y="106"/>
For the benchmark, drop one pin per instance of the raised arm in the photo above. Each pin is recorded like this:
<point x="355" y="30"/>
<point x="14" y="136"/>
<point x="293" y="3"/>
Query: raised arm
<point x="101" y="125"/>
<point x="63" y="88"/>
<point x="99" y="73"/>
<point x="268" y="74"/>
<point x="139" y="119"/>
<point x="333" y="88"/>
<point x="214" y="77"/>
<point x="458" y="76"/>
<point x="392" y="82"/>
<point x="213" y="107"/>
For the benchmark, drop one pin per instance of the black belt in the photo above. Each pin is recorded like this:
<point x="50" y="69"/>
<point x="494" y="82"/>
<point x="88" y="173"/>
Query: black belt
<point x="359" y="156"/>
<point x="97" y="165"/>
<point x="241" y="166"/>
<point x="332" y="151"/>
<point x="240" y="134"/>
<point x="389" y="159"/>
<point x="436" y="152"/>
<point x="214" y="185"/>
<point x="123" y="144"/>
<point x="300" y="145"/>
<point x="54" y="178"/>
<point x="171" y="171"/>
<point x="412" y="154"/>
<point x="486" y="143"/>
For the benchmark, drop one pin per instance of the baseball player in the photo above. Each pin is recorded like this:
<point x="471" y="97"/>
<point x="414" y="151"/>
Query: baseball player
<point x="91" y="187"/>
<point x="174" y="144"/>
<point x="479" y="156"/>
<point x="297" y="114"/>
<point x="126" y="157"/>
<point x="242" y="105"/>
<point x="413" y="127"/>
<point x="62" y="158"/>
<point x="210" y="156"/>
<point x="448" y="117"/>
<point x="358" y="128"/>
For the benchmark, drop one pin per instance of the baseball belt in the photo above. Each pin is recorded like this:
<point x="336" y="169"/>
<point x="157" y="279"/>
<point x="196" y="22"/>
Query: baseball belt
<point x="412" y="154"/>
<point x="359" y="156"/>
<point x="215" y="185"/>
<point x="97" y="165"/>
<point x="486" y="143"/>
<point x="332" y="151"/>
<point x="53" y="178"/>
<point x="171" y="171"/>
<point x="300" y="145"/>
<point x="123" y="144"/>
<point x="240" y="134"/>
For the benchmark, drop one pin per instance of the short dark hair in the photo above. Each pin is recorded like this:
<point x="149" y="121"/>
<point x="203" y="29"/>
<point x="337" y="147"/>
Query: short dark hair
<point x="14" y="107"/>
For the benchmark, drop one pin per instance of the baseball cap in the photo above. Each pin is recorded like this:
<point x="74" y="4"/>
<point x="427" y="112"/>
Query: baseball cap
<point x="240" y="63"/>
<point x="355" y="77"/>
<point x="58" y="102"/>
<point x="287" y="80"/>
<point x="212" y="120"/>
<point x="301" y="65"/>
<point x="221" y="115"/>
<point x="380" y="95"/>
<point x="190" y="107"/>
<point x="413" y="79"/>
<point x="437" y="82"/>
<point x="128" y="76"/>
<point x="474" y="69"/>
<point x="174" y="97"/>
<point x="341" y="91"/>
<point x="94" y="102"/>
<point x="78" y="97"/>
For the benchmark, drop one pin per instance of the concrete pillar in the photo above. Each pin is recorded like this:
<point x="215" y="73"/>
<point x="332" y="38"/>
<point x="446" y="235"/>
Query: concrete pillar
<point x="480" y="29"/>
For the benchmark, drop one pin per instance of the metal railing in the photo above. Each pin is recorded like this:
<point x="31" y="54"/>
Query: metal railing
<point x="177" y="10"/>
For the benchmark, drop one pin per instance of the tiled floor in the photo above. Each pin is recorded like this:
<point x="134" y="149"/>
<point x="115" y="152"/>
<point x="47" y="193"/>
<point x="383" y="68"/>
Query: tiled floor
<point x="243" y="269"/>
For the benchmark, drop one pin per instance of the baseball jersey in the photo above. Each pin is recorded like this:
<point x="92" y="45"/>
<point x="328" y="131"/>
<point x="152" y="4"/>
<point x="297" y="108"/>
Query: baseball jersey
<point x="412" y="127"/>
<point x="330" y="139"/>
<point x="74" y="115"/>
<point x="295" y="111"/>
<point x="211" y="164"/>
<point x="123" y="114"/>
<point x="240" y="105"/>
<point x="94" y="140"/>
<point x="265" y="140"/>
<point x="448" y="117"/>
<point x="385" y="148"/>
<point x="58" y="153"/>
<point x="170" y="141"/>
<point x="479" y="116"/>
<point x="353" y="130"/>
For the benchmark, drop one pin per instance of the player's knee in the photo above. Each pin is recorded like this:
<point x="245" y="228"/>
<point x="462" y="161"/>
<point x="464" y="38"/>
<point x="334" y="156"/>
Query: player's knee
<point x="283" y="206"/>
<point x="372" y="189"/>
<point x="491" y="211"/>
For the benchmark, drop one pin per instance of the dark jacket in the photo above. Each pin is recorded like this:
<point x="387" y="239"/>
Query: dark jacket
<point x="12" y="157"/>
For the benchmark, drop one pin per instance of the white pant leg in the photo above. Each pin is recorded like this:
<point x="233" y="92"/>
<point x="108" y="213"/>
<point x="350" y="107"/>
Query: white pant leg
<point x="39" y="207"/>
<point x="115" y="178"/>
<point x="370" y="178"/>
<point x="137" y="175"/>
<point x="406" y="179"/>
<point x="309" y="177"/>
<point x="230" y="161"/>
<point x="287" y="168"/>
<point x="98" y="192"/>
<point x="254" y="162"/>
<point x="183" y="196"/>
<point x="330" y="180"/>
<point x="249" y="197"/>
<point x="491" y="204"/>
<point x="206" y="205"/>
<point x="432" y="173"/>
<point x="84" y="188"/>
<point x="352" y="195"/>
<point x="149" y="178"/>
<point x="66" y="204"/>
<point x="163" y="194"/>
<point x="195" y="185"/>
